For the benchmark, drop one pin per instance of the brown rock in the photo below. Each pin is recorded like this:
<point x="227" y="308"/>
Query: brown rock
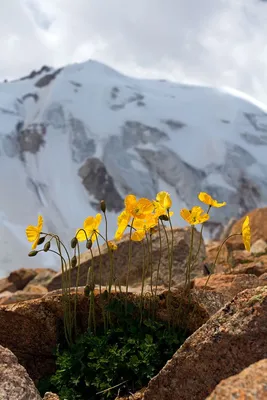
<point x="263" y="279"/>
<point x="227" y="285"/>
<point x="19" y="296"/>
<point x="6" y="285"/>
<point x="40" y="324"/>
<point x="251" y="265"/>
<point x="21" y="277"/>
<point x="43" y="277"/>
<point x="259" y="247"/>
<point x="35" y="289"/>
<point x="248" y="384"/>
<point x="212" y="249"/>
<point x="15" y="383"/>
<point x="228" y="342"/>
<point x="121" y="255"/>
<point x="51" y="396"/>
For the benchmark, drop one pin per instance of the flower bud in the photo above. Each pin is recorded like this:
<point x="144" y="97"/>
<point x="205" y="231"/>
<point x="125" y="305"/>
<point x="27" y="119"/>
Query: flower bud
<point x="74" y="242"/>
<point x="73" y="262"/>
<point x="164" y="217"/>
<point x="47" y="246"/>
<point x="112" y="246"/>
<point x="89" y="244"/>
<point x="32" y="253"/>
<point x="41" y="240"/>
<point x="104" y="295"/>
<point x="103" y="206"/>
<point x="86" y="291"/>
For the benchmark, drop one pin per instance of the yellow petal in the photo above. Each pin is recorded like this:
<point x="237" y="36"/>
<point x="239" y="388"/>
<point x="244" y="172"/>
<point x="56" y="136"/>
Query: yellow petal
<point x="207" y="199"/>
<point x="40" y="223"/>
<point x="31" y="233"/>
<point x="80" y="235"/>
<point x="97" y="221"/>
<point x="160" y="198"/>
<point x="246" y="234"/>
<point x="130" y="202"/>
<point x="89" y="223"/>
<point x="185" y="214"/>
<point x="145" y="206"/>
<point x="138" y="224"/>
<point x="124" y="216"/>
<point x="167" y="201"/>
<point x="119" y="233"/>
<point x="137" y="236"/>
<point x="34" y="245"/>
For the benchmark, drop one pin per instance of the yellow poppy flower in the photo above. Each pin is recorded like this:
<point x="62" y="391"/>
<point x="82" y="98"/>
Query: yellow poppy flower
<point x="138" y="208"/>
<point x="160" y="210"/>
<point x="194" y="216"/>
<point x="123" y="221"/>
<point x="164" y="200"/>
<point x="207" y="199"/>
<point x="33" y="232"/>
<point x="142" y="227"/>
<point x="90" y="225"/>
<point x="246" y="233"/>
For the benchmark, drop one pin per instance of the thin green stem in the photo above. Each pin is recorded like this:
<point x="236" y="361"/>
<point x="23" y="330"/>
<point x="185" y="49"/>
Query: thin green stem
<point x="171" y="258"/>
<point x="219" y="250"/>
<point x="200" y="241"/>
<point x="129" y="265"/>
<point x="188" y="267"/>
<point x="160" y="253"/>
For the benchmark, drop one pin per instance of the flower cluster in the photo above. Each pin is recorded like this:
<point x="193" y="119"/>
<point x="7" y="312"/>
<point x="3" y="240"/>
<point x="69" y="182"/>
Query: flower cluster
<point x="142" y="216"/>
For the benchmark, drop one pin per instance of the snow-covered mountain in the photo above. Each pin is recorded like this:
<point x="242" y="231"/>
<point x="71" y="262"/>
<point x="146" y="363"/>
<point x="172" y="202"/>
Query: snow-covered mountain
<point x="73" y="136"/>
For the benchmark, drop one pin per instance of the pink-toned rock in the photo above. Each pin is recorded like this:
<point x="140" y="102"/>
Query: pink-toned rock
<point x="231" y="340"/>
<point x="32" y="329"/>
<point x="228" y="285"/>
<point x="15" y="383"/>
<point x="250" y="384"/>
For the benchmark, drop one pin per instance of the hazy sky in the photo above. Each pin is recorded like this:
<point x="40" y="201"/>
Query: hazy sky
<point x="216" y="42"/>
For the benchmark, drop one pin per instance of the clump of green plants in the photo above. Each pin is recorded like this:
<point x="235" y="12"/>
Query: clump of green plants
<point x="120" y="360"/>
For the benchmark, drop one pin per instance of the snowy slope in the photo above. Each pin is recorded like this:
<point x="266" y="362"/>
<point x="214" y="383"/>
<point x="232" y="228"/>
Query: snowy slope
<point x="70" y="137"/>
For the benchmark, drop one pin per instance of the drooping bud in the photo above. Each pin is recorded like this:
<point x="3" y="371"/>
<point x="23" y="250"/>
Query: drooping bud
<point x="164" y="217"/>
<point x="103" y="206"/>
<point x="104" y="295"/>
<point x="41" y="240"/>
<point x="74" y="242"/>
<point x="89" y="244"/>
<point x="86" y="291"/>
<point x="47" y="246"/>
<point x="73" y="262"/>
<point x="32" y="253"/>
